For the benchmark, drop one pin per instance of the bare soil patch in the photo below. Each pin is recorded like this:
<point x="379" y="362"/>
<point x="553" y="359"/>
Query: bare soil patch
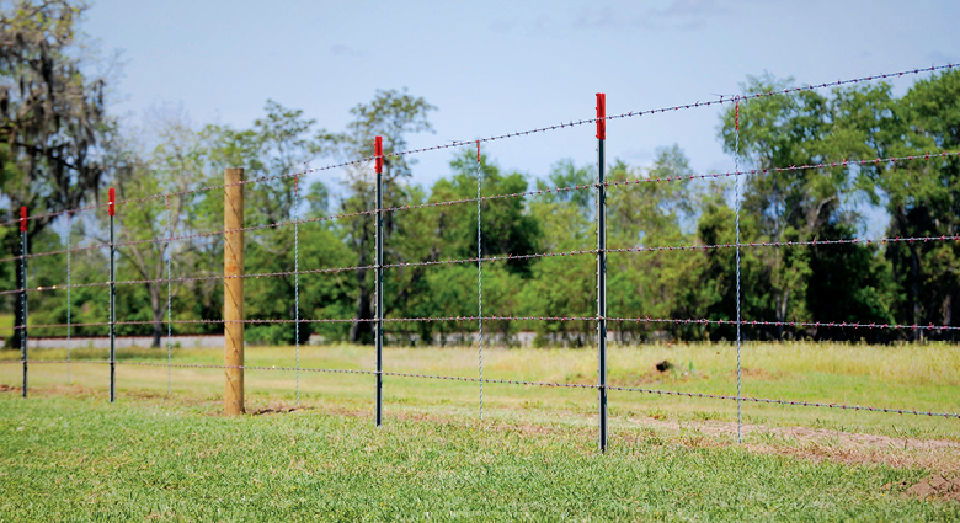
<point x="832" y="445"/>
<point x="277" y="407"/>
<point x="937" y="487"/>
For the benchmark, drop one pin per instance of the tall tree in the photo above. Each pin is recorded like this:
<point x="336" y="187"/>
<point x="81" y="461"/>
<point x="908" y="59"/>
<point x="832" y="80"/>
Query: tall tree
<point x="923" y="199"/>
<point x="806" y="204"/>
<point x="52" y="114"/>
<point x="174" y="166"/>
<point x="393" y="114"/>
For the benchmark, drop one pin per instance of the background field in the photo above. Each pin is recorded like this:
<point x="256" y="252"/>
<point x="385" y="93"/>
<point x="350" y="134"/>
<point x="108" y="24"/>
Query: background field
<point x="906" y="377"/>
<point x="6" y="325"/>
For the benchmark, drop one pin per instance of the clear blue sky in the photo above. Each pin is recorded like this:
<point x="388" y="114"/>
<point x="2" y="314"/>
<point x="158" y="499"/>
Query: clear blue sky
<point x="495" y="66"/>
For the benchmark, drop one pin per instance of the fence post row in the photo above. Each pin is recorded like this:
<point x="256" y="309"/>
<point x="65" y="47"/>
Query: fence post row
<point x="111" y="210"/>
<point x="233" y="349"/>
<point x="378" y="290"/>
<point x="233" y="318"/>
<point x="23" y="299"/>
<point x="602" y="268"/>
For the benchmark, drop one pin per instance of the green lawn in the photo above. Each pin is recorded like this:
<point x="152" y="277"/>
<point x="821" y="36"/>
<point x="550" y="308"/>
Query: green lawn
<point x="66" y="453"/>
<point x="82" y="458"/>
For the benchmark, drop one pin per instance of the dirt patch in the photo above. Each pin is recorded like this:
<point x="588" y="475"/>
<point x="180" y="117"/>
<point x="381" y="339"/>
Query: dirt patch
<point x="937" y="487"/>
<point x="939" y="460"/>
<point x="808" y="434"/>
<point x="277" y="407"/>
<point x="830" y="445"/>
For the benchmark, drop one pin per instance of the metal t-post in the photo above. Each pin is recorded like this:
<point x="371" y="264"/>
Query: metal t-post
<point x="111" y="209"/>
<point x="602" y="268"/>
<point x="378" y="290"/>
<point x="23" y="299"/>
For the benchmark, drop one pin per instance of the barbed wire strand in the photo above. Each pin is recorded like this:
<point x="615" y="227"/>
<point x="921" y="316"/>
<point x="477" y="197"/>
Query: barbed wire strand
<point x="632" y="114"/>
<point x="538" y="192"/>
<point x="661" y="392"/>
<point x="507" y="257"/>
<point x="591" y="318"/>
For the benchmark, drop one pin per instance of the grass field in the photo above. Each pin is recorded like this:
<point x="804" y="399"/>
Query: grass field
<point x="6" y="325"/>
<point x="67" y="453"/>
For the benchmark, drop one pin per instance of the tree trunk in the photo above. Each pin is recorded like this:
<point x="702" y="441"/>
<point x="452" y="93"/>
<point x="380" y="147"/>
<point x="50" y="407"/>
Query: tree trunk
<point x="362" y="331"/>
<point x="782" y="313"/>
<point x="915" y="290"/>
<point x="157" y="307"/>
<point x="947" y="306"/>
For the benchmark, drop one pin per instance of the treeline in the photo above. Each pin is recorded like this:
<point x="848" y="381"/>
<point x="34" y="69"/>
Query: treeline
<point x="908" y="283"/>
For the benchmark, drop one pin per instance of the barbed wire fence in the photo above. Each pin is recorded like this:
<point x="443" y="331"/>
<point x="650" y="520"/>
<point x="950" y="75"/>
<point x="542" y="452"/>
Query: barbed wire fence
<point x="170" y="237"/>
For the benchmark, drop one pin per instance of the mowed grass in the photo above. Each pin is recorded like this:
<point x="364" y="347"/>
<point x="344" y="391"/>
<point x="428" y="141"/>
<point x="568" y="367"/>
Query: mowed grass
<point x="924" y="378"/>
<point x="67" y="453"/>
<point x="81" y="458"/>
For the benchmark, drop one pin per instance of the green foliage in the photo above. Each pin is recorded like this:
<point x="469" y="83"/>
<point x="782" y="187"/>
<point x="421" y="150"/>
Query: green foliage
<point x="55" y="135"/>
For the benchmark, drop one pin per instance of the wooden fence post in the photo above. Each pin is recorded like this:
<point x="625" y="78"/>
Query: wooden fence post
<point x="233" y="291"/>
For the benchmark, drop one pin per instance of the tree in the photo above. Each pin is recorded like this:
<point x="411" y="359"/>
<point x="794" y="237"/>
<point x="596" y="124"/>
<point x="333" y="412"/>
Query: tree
<point x="392" y="114"/>
<point x="923" y="199"/>
<point x="807" y="204"/>
<point x="648" y="215"/>
<point x="175" y="165"/>
<point x="52" y="114"/>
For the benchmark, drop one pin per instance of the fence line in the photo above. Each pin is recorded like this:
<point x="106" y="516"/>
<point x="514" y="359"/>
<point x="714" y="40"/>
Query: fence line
<point x="618" y="319"/>
<point x="538" y="192"/>
<point x="659" y="392"/>
<point x="601" y="317"/>
<point x="506" y="257"/>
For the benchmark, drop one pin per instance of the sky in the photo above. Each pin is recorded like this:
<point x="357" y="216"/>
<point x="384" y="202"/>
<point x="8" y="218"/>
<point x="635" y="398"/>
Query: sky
<point x="492" y="67"/>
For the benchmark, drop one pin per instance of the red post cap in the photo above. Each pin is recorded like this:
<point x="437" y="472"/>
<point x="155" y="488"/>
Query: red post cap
<point x="378" y="154"/>
<point x="601" y="116"/>
<point x="111" y="201"/>
<point x="23" y="219"/>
